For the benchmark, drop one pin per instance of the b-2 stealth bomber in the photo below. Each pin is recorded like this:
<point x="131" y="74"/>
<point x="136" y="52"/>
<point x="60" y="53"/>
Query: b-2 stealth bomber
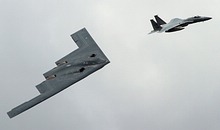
<point x="175" y="24"/>
<point x="72" y="68"/>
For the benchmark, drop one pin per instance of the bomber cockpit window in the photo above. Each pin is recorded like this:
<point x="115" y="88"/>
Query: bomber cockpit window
<point x="82" y="69"/>
<point x="93" y="55"/>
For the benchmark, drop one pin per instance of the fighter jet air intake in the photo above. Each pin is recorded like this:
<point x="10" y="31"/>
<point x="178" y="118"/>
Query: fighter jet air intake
<point x="175" y="24"/>
<point x="70" y="69"/>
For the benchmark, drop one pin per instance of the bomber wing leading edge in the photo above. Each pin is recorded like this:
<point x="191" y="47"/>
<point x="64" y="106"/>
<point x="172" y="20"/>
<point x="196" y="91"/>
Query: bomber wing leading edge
<point x="75" y="66"/>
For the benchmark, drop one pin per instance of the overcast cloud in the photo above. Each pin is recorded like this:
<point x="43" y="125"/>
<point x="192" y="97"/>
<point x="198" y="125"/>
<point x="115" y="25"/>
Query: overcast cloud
<point x="154" y="82"/>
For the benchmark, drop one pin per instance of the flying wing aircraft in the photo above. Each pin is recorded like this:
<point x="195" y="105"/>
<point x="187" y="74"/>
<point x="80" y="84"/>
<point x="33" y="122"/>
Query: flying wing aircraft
<point x="175" y="24"/>
<point x="72" y="68"/>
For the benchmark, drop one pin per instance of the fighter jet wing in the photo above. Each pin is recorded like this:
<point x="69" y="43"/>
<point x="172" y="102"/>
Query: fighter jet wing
<point x="70" y="69"/>
<point x="172" y="24"/>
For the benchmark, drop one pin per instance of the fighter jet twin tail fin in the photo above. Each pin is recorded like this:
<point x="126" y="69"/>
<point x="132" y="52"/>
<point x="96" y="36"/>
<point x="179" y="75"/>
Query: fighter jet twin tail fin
<point x="157" y="25"/>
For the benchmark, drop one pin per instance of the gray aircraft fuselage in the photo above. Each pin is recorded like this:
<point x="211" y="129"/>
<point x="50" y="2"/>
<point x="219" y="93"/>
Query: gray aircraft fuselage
<point x="175" y="24"/>
<point x="70" y="69"/>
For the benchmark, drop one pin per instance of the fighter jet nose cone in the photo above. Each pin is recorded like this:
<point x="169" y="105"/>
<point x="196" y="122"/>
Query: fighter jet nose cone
<point x="208" y="18"/>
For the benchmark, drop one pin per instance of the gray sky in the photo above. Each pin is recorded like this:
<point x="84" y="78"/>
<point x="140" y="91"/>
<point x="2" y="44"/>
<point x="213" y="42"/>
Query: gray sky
<point x="154" y="82"/>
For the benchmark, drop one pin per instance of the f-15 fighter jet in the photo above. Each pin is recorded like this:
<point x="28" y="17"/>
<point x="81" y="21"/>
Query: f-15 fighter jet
<point x="70" y="69"/>
<point x="175" y="24"/>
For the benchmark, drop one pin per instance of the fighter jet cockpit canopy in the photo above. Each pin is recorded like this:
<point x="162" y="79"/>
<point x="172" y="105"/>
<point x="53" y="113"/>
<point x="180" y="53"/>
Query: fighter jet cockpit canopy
<point x="197" y="16"/>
